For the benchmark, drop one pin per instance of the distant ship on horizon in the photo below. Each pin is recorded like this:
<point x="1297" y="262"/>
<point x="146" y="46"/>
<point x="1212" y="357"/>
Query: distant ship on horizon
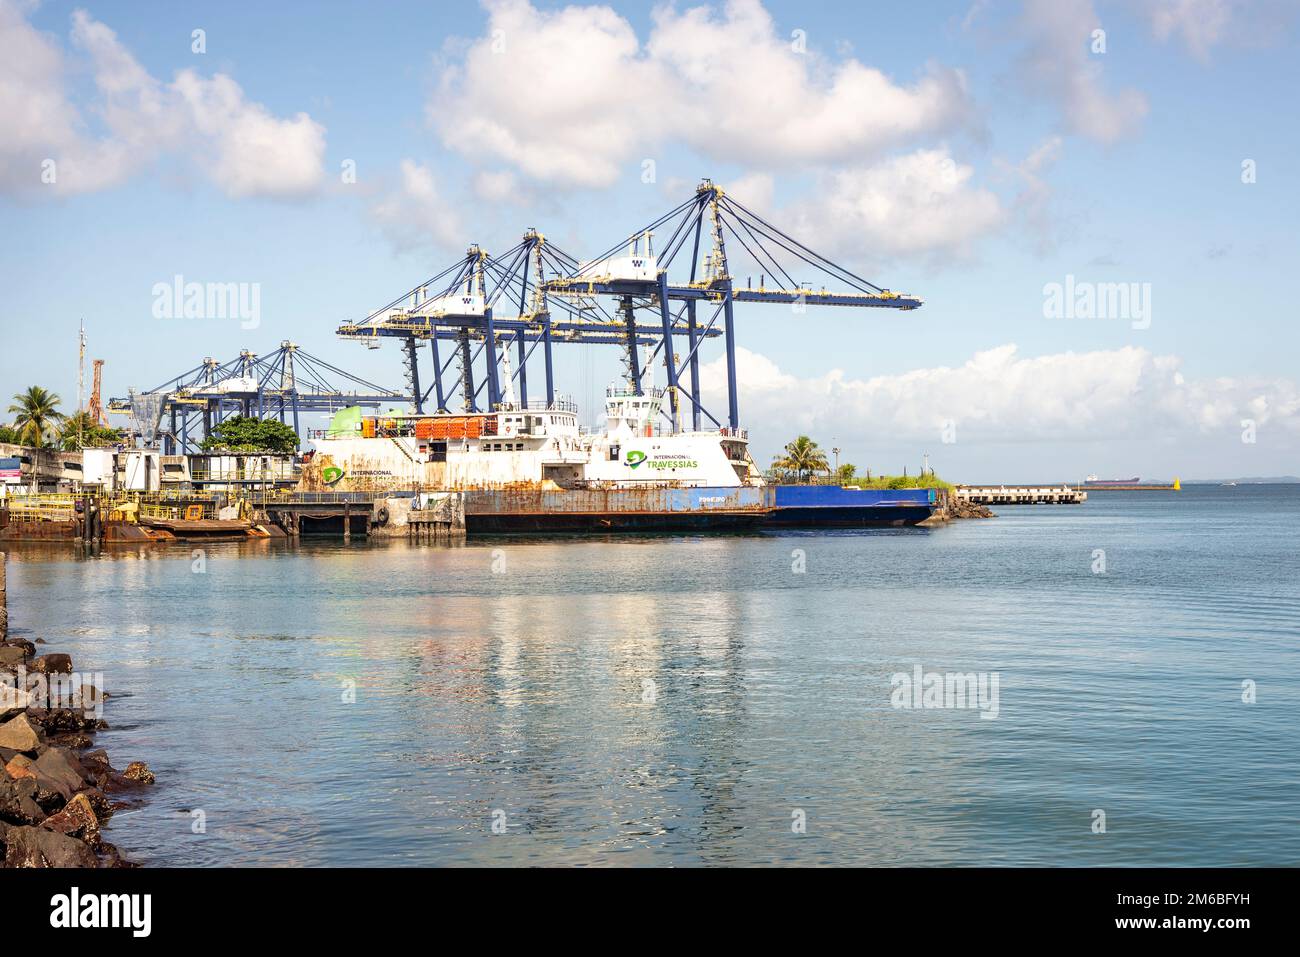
<point x="1093" y="480"/>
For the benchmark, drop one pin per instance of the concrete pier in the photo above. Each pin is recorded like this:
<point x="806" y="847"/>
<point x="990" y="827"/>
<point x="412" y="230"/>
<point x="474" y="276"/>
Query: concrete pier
<point x="1021" y="494"/>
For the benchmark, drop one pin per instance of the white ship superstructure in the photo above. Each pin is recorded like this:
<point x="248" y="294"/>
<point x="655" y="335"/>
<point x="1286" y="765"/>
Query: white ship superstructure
<point x="538" y="445"/>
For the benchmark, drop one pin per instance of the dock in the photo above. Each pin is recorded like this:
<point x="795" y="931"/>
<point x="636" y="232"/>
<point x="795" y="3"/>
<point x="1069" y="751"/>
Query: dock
<point x="1138" y="487"/>
<point x="1062" y="494"/>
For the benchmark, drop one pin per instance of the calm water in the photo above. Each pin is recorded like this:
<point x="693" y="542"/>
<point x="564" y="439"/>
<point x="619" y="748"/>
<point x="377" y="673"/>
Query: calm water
<point x="522" y="691"/>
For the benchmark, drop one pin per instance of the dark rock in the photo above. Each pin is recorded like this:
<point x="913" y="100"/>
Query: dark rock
<point x="11" y="657"/>
<point x="52" y="664"/>
<point x="19" y="733"/>
<point x="96" y="761"/>
<point x="37" y="847"/>
<point x="18" y="801"/>
<point x="22" y="643"/>
<point x="71" y="740"/>
<point x="100" y="803"/>
<point x="139" y="772"/>
<point x="59" y="720"/>
<point x="59" y="771"/>
<point x="77" y="819"/>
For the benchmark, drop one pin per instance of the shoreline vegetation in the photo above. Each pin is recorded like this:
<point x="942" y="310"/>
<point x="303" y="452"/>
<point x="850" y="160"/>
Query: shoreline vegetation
<point x="804" y="462"/>
<point x="55" y="791"/>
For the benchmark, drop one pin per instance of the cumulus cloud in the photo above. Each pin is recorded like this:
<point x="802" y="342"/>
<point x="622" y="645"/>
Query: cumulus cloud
<point x="923" y="202"/>
<point x="241" y="146"/>
<point x="248" y="151"/>
<point x="415" y="214"/>
<point x="1200" y="24"/>
<point x="1058" y="64"/>
<point x="573" y="96"/>
<point x="999" y="395"/>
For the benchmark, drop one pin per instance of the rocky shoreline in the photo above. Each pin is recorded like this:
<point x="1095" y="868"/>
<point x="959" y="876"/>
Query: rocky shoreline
<point x="55" y="791"/>
<point x="951" y="508"/>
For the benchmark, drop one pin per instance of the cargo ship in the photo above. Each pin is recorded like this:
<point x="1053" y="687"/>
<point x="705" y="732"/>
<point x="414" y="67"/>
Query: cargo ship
<point x="536" y="469"/>
<point x="1093" y="480"/>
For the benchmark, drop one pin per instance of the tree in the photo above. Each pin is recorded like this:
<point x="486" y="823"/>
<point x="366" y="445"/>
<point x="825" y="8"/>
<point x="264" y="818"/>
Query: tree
<point x="802" y="455"/>
<point x="36" y="416"/>
<point x="846" y="473"/>
<point x="81" y="431"/>
<point x="248" y="434"/>
<point x="8" y="435"/>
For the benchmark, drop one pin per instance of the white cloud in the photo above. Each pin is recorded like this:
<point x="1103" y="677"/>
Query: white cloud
<point x="415" y="214"/>
<point x="1000" y="396"/>
<point x="919" y="203"/>
<point x="742" y="93"/>
<point x="248" y="151"/>
<point x="562" y="96"/>
<point x="244" y="148"/>
<point x="573" y="97"/>
<point x="496" y="186"/>
<point x="1058" y="64"/>
<point x="1201" y="24"/>
<point x="1033" y="201"/>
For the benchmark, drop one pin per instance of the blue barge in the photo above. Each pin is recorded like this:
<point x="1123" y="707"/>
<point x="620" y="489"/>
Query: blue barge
<point x="660" y="508"/>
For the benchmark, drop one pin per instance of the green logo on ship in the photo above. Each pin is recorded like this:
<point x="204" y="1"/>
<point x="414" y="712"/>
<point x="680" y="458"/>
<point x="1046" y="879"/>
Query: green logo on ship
<point x="331" y="475"/>
<point x="634" y="459"/>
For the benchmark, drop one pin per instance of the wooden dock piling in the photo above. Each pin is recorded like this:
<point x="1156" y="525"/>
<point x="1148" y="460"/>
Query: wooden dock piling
<point x="4" y="599"/>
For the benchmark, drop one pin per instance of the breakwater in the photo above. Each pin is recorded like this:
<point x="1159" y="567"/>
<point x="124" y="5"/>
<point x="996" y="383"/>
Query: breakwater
<point x="56" y="791"/>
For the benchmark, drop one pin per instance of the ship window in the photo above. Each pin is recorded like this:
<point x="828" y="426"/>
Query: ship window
<point x="613" y="453"/>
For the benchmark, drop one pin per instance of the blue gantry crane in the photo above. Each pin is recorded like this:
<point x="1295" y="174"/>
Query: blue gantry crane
<point x="488" y="306"/>
<point x="630" y="273"/>
<point x="469" y="304"/>
<point x="283" y="384"/>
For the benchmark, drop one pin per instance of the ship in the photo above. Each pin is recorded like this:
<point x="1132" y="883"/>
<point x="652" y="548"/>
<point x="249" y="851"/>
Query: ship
<point x="540" y="445"/>
<point x="535" y="468"/>
<point x="1093" y="480"/>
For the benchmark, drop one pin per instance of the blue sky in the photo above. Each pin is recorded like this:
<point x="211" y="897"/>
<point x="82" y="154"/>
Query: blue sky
<point x="968" y="153"/>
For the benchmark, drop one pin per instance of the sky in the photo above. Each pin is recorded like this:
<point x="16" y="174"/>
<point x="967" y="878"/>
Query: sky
<point x="1015" y="164"/>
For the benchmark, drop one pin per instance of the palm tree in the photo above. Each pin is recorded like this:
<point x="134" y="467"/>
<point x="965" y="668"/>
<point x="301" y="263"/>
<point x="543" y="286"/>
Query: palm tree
<point x="846" y="473"/>
<point x="81" y="431"/>
<point x="802" y="455"/>
<point x="36" y="416"/>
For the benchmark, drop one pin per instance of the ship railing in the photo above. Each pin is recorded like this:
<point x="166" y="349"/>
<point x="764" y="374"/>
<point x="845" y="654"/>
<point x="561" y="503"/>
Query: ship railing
<point x="559" y="405"/>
